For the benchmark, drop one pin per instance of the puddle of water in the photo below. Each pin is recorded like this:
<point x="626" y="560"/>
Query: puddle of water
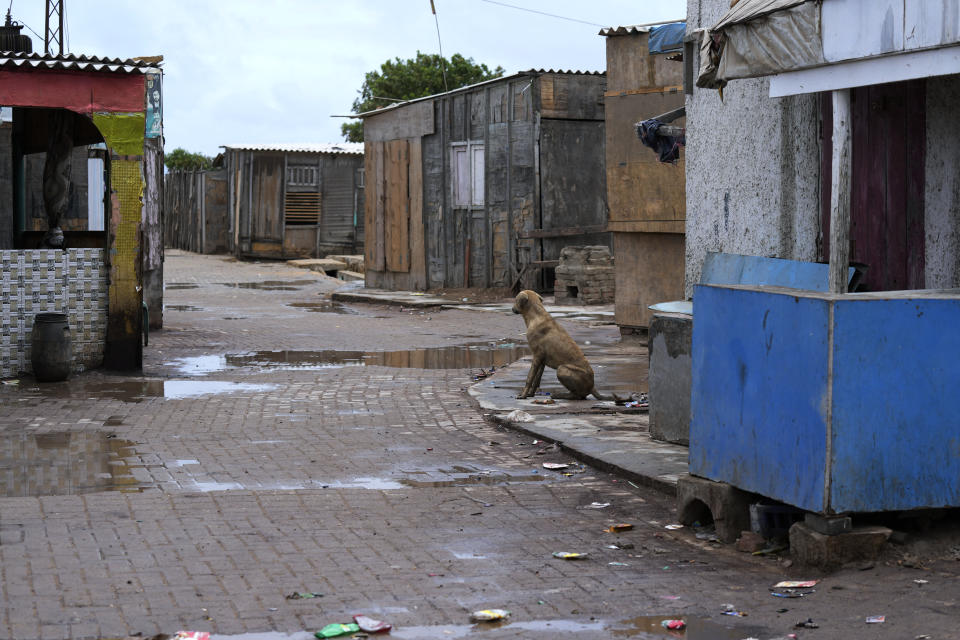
<point x="269" y="285"/>
<point x="365" y="483"/>
<point x="174" y="286"/>
<point x="65" y="463"/>
<point x="325" y="306"/>
<point x="469" y="480"/>
<point x="266" y="635"/>
<point x="181" y="307"/>
<point x="138" y="390"/>
<point x="471" y="356"/>
<point x="480" y="355"/>
<point x="643" y="627"/>
<point x="697" y="629"/>
<point x="200" y="365"/>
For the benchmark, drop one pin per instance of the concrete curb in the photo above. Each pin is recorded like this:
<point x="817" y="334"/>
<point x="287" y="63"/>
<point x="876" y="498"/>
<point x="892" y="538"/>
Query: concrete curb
<point x="601" y="434"/>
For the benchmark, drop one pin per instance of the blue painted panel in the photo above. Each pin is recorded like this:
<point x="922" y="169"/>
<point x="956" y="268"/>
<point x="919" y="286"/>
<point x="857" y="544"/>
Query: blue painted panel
<point x="759" y="378"/>
<point x="896" y="417"/>
<point x="732" y="268"/>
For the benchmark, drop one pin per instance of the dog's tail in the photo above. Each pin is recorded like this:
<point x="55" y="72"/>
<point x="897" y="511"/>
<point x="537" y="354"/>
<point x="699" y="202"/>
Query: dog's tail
<point x="599" y="396"/>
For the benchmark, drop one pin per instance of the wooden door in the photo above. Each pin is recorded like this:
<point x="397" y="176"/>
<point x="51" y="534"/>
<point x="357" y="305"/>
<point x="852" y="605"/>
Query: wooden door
<point x="267" y="203"/>
<point x="887" y="195"/>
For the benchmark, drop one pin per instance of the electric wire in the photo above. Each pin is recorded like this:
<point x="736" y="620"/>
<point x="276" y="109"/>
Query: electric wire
<point x="443" y="62"/>
<point x="543" y="13"/>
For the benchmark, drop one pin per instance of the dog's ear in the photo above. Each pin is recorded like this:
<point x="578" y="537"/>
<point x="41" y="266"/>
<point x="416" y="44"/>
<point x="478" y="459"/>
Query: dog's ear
<point x="522" y="300"/>
<point x="539" y="298"/>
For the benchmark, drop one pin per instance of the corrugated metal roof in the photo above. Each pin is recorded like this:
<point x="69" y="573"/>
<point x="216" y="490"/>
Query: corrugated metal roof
<point x="623" y="31"/>
<point x="637" y="28"/>
<point x="531" y="72"/>
<point x="569" y="72"/>
<point x="72" y="62"/>
<point x="309" y="147"/>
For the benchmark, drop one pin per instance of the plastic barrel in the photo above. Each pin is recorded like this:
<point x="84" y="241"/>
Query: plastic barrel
<point x="52" y="355"/>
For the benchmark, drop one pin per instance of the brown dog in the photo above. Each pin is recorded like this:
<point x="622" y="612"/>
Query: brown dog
<point x="553" y="347"/>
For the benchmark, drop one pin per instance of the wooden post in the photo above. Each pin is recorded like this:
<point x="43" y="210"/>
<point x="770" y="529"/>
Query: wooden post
<point x="840" y="192"/>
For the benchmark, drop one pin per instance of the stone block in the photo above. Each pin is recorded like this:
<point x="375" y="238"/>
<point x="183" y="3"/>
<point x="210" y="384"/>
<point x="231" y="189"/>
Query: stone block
<point x="349" y="276"/>
<point x="670" y="340"/>
<point x="829" y="553"/>
<point x="728" y="506"/>
<point x="353" y="262"/>
<point x="323" y="265"/>
<point x="828" y="525"/>
<point x="584" y="275"/>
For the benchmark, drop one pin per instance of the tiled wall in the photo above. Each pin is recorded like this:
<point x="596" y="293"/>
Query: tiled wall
<point x="39" y="281"/>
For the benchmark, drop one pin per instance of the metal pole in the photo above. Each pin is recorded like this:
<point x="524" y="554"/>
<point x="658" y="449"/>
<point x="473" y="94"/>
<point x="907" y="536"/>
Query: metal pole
<point x="840" y="192"/>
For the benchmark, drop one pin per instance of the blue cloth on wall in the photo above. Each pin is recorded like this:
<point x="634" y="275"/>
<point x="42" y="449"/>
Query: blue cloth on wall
<point x="667" y="37"/>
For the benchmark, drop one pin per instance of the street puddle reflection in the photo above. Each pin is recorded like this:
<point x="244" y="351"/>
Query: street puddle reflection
<point x="469" y="356"/>
<point x="66" y="463"/>
<point x="181" y="307"/>
<point x="471" y="480"/>
<point x="642" y="627"/>
<point x="126" y="390"/>
<point x="696" y="629"/>
<point x="270" y="285"/>
<point x="267" y="635"/>
<point x="178" y="286"/>
<point x="478" y="355"/>
<point x="324" y="306"/>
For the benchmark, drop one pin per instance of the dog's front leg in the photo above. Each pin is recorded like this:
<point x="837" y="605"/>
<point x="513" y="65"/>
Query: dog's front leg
<point x="533" y="379"/>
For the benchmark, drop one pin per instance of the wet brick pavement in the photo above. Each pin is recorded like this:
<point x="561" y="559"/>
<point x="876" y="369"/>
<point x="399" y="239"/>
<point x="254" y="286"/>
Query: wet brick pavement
<point x="383" y="488"/>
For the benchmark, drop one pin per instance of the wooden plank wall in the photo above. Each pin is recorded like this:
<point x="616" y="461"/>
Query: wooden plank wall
<point x="374" y="207"/>
<point x="182" y="210"/>
<point x="215" y="212"/>
<point x="397" y="210"/>
<point x="418" y="256"/>
<point x="573" y="193"/>
<point x="474" y="246"/>
<point x="643" y="194"/>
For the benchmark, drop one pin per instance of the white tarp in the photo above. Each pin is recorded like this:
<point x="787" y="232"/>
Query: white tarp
<point x="759" y="38"/>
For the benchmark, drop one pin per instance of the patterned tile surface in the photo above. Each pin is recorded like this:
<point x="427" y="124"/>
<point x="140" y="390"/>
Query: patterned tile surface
<point x="40" y="281"/>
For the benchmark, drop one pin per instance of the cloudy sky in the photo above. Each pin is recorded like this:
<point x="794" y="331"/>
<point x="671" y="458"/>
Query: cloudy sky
<point x="239" y="71"/>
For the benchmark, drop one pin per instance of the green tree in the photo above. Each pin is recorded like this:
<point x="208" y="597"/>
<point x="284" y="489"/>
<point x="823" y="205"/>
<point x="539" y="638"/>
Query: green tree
<point x="182" y="160"/>
<point x="399" y="80"/>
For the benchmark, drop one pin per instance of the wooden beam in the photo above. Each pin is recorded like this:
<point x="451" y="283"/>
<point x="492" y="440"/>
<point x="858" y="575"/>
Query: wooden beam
<point x="561" y="232"/>
<point x="840" y="192"/>
<point x="670" y="116"/>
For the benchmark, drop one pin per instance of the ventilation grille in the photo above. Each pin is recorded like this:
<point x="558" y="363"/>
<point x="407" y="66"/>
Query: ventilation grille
<point x="302" y="208"/>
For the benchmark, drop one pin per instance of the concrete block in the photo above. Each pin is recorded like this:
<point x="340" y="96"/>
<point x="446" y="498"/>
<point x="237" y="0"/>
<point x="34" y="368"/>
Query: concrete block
<point x="349" y="276"/>
<point x="827" y="525"/>
<point x="353" y="262"/>
<point x="324" y="265"/>
<point x="670" y="340"/>
<point x="828" y="553"/>
<point x="729" y="506"/>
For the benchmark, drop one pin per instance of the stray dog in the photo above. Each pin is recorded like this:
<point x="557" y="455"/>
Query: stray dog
<point x="553" y="347"/>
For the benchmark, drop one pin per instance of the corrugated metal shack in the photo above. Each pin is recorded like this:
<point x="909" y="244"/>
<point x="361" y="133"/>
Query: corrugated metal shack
<point x="295" y="200"/>
<point x="484" y="185"/>
<point x="647" y="197"/>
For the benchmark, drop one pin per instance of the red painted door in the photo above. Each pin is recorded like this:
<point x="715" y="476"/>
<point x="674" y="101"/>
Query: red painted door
<point x="887" y="196"/>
